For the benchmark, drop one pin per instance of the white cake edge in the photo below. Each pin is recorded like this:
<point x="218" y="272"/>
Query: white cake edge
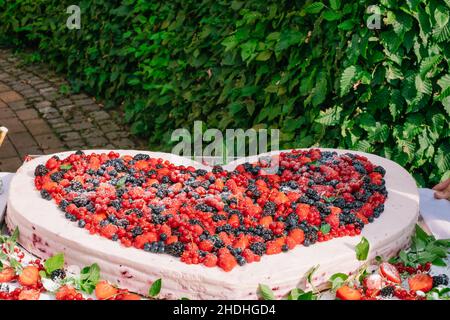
<point x="197" y="281"/>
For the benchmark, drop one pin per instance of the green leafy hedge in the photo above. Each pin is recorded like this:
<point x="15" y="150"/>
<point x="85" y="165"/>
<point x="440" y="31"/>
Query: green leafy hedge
<point x="312" y="69"/>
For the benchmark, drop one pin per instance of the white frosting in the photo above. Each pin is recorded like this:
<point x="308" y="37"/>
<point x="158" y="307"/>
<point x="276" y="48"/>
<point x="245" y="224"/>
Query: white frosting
<point x="44" y="231"/>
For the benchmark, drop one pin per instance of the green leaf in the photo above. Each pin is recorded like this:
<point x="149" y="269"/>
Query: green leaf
<point x="310" y="273"/>
<point x="347" y="25"/>
<point x="325" y="228"/>
<point x="121" y="182"/>
<point x="330" y="116"/>
<point x="15" y="236"/>
<point x="331" y="15"/>
<point x="314" y="7"/>
<point x="424" y="85"/>
<point x="347" y="78"/>
<point x="266" y="293"/>
<point x="65" y="167"/>
<point x="335" y="4"/>
<point x="264" y="56"/>
<point x="362" y="249"/>
<point x="155" y="289"/>
<point x="89" y="277"/>
<point x="337" y="280"/>
<point x="53" y="263"/>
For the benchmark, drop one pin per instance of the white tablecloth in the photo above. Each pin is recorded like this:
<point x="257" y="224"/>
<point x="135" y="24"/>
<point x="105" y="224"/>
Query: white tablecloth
<point x="435" y="213"/>
<point x="6" y="179"/>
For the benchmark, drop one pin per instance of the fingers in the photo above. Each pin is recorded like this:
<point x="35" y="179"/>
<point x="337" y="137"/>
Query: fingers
<point x="442" y="186"/>
<point x="442" y="194"/>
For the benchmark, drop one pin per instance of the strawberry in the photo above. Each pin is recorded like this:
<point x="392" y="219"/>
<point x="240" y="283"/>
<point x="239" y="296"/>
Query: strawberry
<point x="109" y="230"/>
<point x="266" y="221"/>
<point x="347" y="293"/>
<point x="302" y="211"/>
<point x="272" y="247"/>
<point x="241" y="242"/>
<point x="390" y="272"/>
<point x="206" y="245"/>
<point x="29" y="294"/>
<point x="297" y="235"/>
<point x="421" y="282"/>
<point x="104" y="290"/>
<point x="373" y="282"/>
<point x="210" y="260"/>
<point x="29" y="276"/>
<point x="130" y="296"/>
<point x="227" y="262"/>
<point x="65" y="291"/>
<point x="7" y="274"/>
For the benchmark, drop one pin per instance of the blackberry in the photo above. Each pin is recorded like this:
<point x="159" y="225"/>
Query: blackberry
<point x="45" y="195"/>
<point x="204" y="207"/>
<point x="387" y="291"/>
<point x="312" y="194"/>
<point x="58" y="274"/>
<point x="40" y="171"/>
<point x="175" y="249"/>
<point x="241" y="260"/>
<point x="217" y="169"/>
<point x="76" y="186"/>
<point x="258" y="248"/>
<point x="305" y="199"/>
<point x="269" y="208"/>
<point x="359" y="167"/>
<point x="158" y="219"/>
<point x="217" y="242"/>
<point x="291" y="221"/>
<point x="293" y="184"/>
<point x="379" y="169"/>
<point x="136" y="231"/>
<point x="201" y="172"/>
<point x="339" y="202"/>
<point x="57" y="176"/>
<point x="112" y="173"/>
<point x="104" y="223"/>
<point x="440" y="280"/>
<point x="70" y="217"/>
<point x="63" y="204"/>
<point x="80" y="202"/>
<point x="115" y="204"/>
<point x="81" y="223"/>
<point x="141" y="156"/>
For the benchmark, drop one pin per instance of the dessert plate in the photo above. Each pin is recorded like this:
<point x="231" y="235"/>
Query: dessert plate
<point x="44" y="231"/>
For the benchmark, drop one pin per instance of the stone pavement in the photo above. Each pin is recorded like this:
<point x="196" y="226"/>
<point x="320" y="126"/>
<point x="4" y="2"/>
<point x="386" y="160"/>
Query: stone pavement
<point x="42" y="120"/>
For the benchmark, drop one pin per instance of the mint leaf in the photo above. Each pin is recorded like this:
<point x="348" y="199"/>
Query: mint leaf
<point x="294" y="294"/>
<point x="307" y="296"/>
<point x="266" y="292"/>
<point x="54" y="263"/>
<point x="325" y="228"/>
<point x="14" y="237"/>
<point x="89" y="277"/>
<point x="310" y="272"/>
<point x="65" y="167"/>
<point x="121" y="182"/>
<point x="155" y="289"/>
<point x="337" y="280"/>
<point x="1" y="266"/>
<point x="362" y="249"/>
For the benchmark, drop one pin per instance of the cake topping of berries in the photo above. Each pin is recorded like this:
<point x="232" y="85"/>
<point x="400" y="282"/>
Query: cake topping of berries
<point x="216" y="218"/>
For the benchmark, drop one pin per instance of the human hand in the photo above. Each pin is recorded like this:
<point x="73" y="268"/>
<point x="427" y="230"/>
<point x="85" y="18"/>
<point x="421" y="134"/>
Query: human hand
<point x="442" y="190"/>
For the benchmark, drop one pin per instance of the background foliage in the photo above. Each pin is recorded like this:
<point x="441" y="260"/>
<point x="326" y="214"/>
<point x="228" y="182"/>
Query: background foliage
<point x="310" y="68"/>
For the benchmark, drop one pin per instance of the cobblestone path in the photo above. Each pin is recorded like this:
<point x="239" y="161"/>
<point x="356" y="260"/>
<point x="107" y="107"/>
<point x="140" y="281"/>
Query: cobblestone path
<point x="42" y="120"/>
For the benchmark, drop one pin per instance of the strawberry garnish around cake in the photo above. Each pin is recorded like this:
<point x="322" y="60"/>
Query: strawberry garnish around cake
<point x="216" y="218"/>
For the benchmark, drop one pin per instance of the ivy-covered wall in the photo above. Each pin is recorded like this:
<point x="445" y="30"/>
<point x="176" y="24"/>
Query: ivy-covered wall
<point x="310" y="68"/>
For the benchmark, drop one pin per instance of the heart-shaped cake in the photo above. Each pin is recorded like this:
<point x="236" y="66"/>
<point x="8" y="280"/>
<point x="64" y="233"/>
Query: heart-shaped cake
<point x="144" y="215"/>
